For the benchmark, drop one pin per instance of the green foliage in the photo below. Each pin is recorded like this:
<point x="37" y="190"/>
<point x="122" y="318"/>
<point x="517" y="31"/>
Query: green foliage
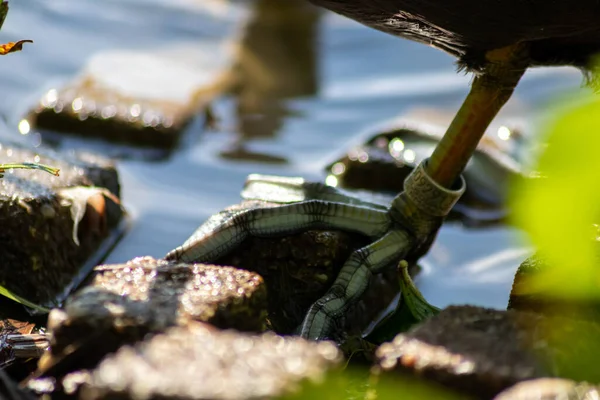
<point x="359" y="384"/>
<point x="558" y="209"/>
<point x="3" y="12"/>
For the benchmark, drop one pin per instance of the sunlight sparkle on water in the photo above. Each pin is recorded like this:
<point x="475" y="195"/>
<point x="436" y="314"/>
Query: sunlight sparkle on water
<point x="504" y="133"/>
<point x="331" y="181"/>
<point x="409" y="155"/>
<point x="77" y="104"/>
<point x="338" y="168"/>
<point x="24" y="127"/>
<point x="395" y="147"/>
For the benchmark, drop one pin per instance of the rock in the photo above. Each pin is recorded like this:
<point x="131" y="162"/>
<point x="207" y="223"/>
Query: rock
<point x="550" y="389"/>
<point x="481" y="352"/>
<point x="55" y="228"/>
<point x="76" y="168"/>
<point x="141" y="98"/>
<point x="392" y="151"/>
<point x="298" y="269"/>
<point x="524" y="297"/>
<point x="197" y="363"/>
<point x="127" y="301"/>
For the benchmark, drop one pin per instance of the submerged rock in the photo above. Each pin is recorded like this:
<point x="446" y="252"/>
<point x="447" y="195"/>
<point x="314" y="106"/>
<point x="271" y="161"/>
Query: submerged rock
<point x="197" y="363"/>
<point x="146" y="99"/>
<point x="54" y="228"/>
<point x="393" y="150"/>
<point x="526" y="295"/>
<point x="550" y="389"/>
<point x="127" y="301"/>
<point x="481" y="352"/>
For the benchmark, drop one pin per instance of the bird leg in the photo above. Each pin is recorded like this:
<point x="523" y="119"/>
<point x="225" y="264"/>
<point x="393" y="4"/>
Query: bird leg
<point x="489" y="92"/>
<point x="404" y="231"/>
<point x="427" y="196"/>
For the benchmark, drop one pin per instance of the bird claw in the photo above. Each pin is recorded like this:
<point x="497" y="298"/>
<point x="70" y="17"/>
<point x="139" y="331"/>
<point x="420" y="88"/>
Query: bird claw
<point x="403" y="230"/>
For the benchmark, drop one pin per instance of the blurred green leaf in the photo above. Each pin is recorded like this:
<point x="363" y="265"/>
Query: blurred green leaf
<point x="3" y="12"/>
<point x="558" y="209"/>
<point x="358" y="384"/>
<point x="400" y="320"/>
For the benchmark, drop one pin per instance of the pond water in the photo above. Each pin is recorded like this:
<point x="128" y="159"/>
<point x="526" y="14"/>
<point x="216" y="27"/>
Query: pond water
<point x="320" y="92"/>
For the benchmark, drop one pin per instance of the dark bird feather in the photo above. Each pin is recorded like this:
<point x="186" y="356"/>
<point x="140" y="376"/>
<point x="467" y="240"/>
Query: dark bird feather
<point x="559" y="32"/>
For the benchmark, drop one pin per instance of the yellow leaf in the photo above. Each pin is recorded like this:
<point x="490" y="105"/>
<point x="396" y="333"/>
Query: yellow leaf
<point x="11" y="47"/>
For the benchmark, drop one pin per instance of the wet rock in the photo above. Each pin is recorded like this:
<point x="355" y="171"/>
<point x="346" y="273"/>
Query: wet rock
<point x="525" y="297"/>
<point x="127" y="301"/>
<point x="197" y="363"/>
<point x="145" y="99"/>
<point x="481" y="352"/>
<point x="54" y="228"/>
<point x="389" y="154"/>
<point x="300" y="268"/>
<point x="550" y="389"/>
<point x="76" y="168"/>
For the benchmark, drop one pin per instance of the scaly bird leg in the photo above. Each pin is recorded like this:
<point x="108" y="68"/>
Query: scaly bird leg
<point x="489" y="92"/>
<point x="279" y="221"/>
<point x="423" y="196"/>
<point x="405" y="230"/>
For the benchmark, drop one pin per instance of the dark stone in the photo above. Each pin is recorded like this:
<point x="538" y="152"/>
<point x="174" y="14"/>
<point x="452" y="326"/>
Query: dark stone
<point x="197" y="363"/>
<point x="76" y="169"/>
<point x="381" y="164"/>
<point x="127" y="301"/>
<point x="481" y="352"/>
<point x="55" y="228"/>
<point x="136" y="98"/>
<point x="550" y="389"/>
<point x="524" y="298"/>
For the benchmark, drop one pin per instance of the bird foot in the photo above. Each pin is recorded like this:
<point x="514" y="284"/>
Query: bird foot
<point x="400" y="230"/>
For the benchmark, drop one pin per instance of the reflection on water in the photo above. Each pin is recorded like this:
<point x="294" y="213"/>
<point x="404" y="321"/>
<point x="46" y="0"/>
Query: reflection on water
<point x="276" y="61"/>
<point x="309" y="82"/>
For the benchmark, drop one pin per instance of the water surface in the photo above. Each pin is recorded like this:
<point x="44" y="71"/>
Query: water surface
<point x="328" y="79"/>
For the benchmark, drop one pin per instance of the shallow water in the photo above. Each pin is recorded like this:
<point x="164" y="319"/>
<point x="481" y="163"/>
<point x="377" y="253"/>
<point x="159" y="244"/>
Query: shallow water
<point x="338" y="83"/>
